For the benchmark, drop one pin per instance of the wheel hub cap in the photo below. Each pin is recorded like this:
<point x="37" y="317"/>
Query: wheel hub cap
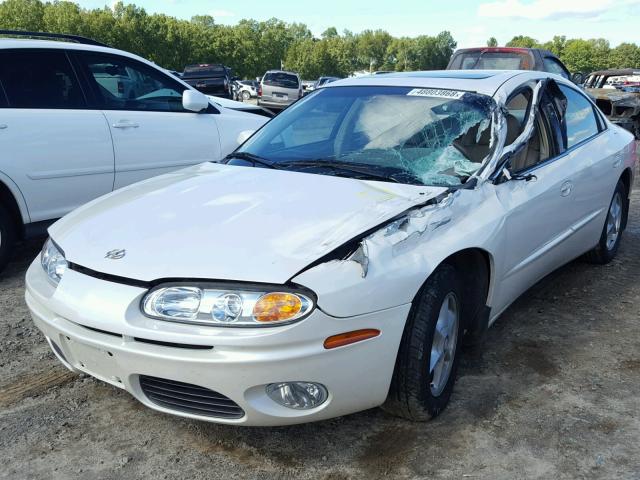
<point x="614" y="221"/>
<point x="443" y="349"/>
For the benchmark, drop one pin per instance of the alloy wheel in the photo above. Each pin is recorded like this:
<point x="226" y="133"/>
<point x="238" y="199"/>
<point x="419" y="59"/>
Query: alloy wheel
<point x="443" y="348"/>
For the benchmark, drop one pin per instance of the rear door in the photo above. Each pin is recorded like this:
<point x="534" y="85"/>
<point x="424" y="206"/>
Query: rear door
<point x="597" y="163"/>
<point x="54" y="147"/>
<point x="152" y="133"/>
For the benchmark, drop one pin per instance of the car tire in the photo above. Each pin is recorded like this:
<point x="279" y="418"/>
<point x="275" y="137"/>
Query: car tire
<point x="421" y="387"/>
<point x="245" y="96"/>
<point x="611" y="235"/>
<point x="7" y="237"/>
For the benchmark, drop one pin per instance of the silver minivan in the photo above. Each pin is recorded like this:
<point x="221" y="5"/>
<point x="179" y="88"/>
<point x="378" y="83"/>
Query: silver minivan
<point x="279" y="89"/>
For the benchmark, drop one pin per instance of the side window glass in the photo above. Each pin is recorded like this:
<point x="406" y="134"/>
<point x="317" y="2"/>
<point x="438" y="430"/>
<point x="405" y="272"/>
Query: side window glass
<point x="3" y="97"/>
<point x="518" y="108"/>
<point x="538" y="148"/>
<point x="551" y="65"/>
<point x="39" y="79"/>
<point x="124" y="84"/>
<point x="580" y="118"/>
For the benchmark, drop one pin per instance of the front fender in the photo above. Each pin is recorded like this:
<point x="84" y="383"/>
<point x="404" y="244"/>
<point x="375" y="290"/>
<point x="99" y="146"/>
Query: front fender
<point x="391" y="264"/>
<point x="17" y="195"/>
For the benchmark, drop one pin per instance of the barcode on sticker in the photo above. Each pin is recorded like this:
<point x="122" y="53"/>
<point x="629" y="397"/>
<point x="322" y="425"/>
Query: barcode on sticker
<point x="436" y="92"/>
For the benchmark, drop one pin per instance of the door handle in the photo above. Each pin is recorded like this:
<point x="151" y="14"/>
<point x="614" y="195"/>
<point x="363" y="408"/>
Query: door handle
<point x="3" y="126"/>
<point x="565" y="189"/>
<point x="125" y="124"/>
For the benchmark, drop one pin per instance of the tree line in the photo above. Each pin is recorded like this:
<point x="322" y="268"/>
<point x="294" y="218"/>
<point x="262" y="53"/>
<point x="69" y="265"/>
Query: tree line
<point x="580" y="55"/>
<point x="251" y="47"/>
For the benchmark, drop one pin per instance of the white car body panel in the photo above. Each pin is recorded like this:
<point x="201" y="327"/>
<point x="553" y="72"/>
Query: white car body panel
<point x="240" y="217"/>
<point x="147" y="144"/>
<point x="60" y="159"/>
<point x="53" y="173"/>
<point x="222" y="222"/>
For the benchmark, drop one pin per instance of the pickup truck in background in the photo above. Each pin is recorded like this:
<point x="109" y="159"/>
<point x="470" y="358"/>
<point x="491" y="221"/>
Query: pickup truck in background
<point x="508" y="58"/>
<point x="212" y="79"/>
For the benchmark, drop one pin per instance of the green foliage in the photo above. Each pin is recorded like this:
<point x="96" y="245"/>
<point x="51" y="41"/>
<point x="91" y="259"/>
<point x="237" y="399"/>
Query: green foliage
<point x="251" y="47"/>
<point x="580" y="55"/>
<point x="492" y="42"/>
<point x="523" y="41"/>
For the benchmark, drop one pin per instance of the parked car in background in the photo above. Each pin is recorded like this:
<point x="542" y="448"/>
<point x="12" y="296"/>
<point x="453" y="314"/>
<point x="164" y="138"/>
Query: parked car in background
<point x="308" y="86"/>
<point x="507" y="58"/>
<point x="338" y="259"/>
<point x="78" y="120"/>
<point x="324" y="80"/>
<point x="212" y="79"/>
<point x="247" y="89"/>
<point x="617" y="94"/>
<point x="278" y="89"/>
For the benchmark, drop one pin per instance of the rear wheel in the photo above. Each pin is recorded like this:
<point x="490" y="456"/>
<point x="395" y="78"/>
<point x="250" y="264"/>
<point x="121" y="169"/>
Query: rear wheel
<point x="428" y="357"/>
<point x="7" y="237"/>
<point x="609" y="242"/>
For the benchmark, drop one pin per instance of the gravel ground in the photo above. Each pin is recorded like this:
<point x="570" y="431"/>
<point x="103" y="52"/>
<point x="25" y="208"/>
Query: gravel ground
<point x="553" y="393"/>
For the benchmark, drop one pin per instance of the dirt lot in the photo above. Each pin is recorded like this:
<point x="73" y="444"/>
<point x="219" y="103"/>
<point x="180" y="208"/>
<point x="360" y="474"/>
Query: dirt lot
<point x="553" y="393"/>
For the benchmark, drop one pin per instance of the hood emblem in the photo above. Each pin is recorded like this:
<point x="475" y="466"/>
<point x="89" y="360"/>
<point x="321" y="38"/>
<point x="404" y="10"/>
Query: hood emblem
<point x="116" y="254"/>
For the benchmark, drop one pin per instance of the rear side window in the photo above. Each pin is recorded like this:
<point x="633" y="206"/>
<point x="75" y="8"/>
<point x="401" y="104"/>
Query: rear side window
<point x="551" y="65"/>
<point x="484" y="60"/>
<point x="580" y="117"/>
<point x="281" y="79"/>
<point x="39" y="79"/>
<point x="203" y="71"/>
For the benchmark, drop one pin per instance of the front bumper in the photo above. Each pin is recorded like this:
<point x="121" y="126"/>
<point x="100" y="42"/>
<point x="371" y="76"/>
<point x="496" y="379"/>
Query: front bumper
<point x="97" y="328"/>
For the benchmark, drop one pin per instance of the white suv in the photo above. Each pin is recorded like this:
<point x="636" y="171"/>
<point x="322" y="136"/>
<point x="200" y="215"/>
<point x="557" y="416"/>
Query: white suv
<point x="78" y="120"/>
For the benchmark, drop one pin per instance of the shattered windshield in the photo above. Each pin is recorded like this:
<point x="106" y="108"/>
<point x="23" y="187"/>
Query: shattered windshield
<point x="402" y="134"/>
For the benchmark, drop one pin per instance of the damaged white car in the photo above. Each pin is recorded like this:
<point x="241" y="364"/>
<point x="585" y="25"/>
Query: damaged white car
<point x="338" y="260"/>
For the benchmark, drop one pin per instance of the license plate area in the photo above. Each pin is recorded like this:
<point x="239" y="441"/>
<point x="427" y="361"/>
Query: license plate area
<point x="281" y="96"/>
<point x="97" y="362"/>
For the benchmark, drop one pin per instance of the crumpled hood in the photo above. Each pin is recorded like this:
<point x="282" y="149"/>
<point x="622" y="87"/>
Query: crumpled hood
<point x="215" y="221"/>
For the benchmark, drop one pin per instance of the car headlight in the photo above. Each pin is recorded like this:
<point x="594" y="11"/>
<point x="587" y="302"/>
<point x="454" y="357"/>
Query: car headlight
<point x="53" y="261"/>
<point x="231" y="307"/>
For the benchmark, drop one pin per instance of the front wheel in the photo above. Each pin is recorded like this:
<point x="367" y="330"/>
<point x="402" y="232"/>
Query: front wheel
<point x="245" y="96"/>
<point x="609" y="242"/>
<point x="427" y="361"/>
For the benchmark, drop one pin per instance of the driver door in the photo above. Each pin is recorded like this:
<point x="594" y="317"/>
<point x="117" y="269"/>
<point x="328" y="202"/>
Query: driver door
<point x="152" y="133"/>
<point x="539" y="212"/>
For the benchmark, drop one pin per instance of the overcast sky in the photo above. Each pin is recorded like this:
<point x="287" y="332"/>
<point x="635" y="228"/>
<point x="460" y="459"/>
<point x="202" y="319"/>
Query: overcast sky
<point x="470" y="22"/>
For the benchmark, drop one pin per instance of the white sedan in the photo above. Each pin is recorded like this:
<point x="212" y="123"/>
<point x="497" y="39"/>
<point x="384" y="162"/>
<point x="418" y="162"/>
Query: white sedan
<point x="341" y="256"/>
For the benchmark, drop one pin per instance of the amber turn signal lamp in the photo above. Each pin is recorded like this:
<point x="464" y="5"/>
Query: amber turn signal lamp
<point x="348" y="338"/>
<point x="277" y="307"/>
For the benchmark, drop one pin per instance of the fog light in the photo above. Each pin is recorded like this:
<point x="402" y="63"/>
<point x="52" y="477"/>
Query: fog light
<point x="297" y="395"/>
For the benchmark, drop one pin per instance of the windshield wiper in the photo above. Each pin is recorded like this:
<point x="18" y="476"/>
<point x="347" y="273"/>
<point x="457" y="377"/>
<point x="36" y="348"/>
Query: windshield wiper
<point x="352" y="168"/>
<point x="256" y="159"/>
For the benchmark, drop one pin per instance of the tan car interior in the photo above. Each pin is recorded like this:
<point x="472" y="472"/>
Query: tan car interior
<point x="476" y="147"/>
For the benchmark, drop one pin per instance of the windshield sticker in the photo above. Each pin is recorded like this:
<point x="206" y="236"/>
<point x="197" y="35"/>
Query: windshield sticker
<point x="436" y="92"/>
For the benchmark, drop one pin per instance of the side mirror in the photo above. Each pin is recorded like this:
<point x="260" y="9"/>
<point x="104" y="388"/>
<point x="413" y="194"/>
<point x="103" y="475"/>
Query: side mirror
<point x="194" y="101"/>
<point x="577" y="78"/>
<point x="243" y="136"/>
